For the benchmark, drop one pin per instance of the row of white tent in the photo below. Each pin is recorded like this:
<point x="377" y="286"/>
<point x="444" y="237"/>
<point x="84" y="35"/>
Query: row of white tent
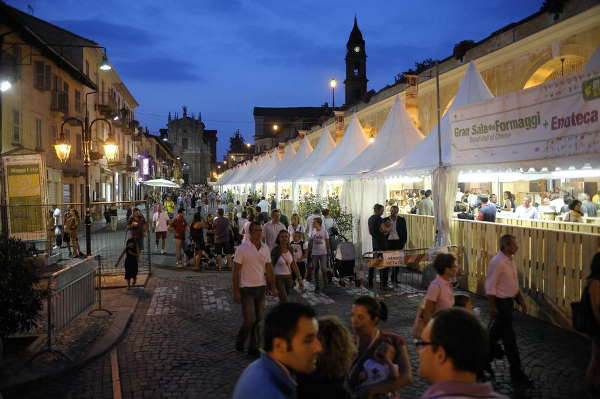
<point x="398" y="150"/>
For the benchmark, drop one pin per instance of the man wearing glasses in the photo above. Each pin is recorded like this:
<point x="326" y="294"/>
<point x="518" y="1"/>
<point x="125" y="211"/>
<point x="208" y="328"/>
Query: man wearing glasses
<point x="445" y="361"/>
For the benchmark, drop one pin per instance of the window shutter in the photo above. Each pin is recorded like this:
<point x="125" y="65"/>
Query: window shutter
<point x="47" y="77"/>
<point x="38" y="78"/>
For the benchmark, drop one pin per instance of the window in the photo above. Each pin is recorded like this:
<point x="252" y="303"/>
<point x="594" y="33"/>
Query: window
<point x="18" y="56"/>
<point x="78" y="147"/>
<point x="38" y="134"/>
<point x="38" y="79"/>
<point x="77" y="101"/>
<point x="16" y="126"/>
<point x="66" y="98"/>
<point x="47" y="76"/>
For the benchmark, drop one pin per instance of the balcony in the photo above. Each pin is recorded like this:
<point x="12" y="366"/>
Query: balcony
<point x="59" y="102"/>
<point x="107" y="106"/>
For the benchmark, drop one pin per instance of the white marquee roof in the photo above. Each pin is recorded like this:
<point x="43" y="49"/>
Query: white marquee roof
<point x="324" y="147"/>
<point x="288" y="156"/>
<point x="303" y="152"/>
<point x="270" y="164"/>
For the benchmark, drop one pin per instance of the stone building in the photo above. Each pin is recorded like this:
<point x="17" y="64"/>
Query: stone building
<point x="238" y="149"/>
<point x="193" y="143"/>
<point x="356" y="66"/>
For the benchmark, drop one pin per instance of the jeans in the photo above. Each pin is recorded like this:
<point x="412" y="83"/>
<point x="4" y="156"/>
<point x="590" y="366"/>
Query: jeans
<point x="284" y="283"/>
<point x="319" y="265"/>
<point x="503" y="330"/>
<point x="253" y="313"/>
<point x="394" y="245"/>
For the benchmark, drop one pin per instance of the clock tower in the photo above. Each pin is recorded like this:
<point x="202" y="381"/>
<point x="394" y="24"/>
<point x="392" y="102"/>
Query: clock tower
<point x="356" y="66"/>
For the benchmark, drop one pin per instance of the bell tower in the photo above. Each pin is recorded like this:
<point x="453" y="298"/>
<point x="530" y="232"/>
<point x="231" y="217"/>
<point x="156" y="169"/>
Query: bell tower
<point x="356" y="66"/>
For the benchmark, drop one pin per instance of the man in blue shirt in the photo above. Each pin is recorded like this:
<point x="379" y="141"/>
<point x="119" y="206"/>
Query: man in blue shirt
<point x="291" y="345"/>
<point x="487" y="212"/>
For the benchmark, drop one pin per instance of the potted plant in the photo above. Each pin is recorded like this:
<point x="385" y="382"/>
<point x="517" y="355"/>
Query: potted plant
<point x="20" y="297"/>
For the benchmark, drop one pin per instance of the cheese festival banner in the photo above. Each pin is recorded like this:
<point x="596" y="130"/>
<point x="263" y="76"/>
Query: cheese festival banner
<point x="553" y="120"/>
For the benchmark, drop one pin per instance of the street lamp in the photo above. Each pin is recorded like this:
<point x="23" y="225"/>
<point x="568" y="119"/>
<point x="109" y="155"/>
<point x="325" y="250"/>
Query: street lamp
<point x="276" y="127"/>
<point x="104" y="65"/>
<point x="63" y="150"/>
<point x="333" y="84"/>
<point x="5" y="85"/>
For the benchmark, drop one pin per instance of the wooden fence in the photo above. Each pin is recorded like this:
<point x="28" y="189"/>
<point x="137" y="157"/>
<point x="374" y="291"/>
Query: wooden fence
<point x="590" y="228"/>
<point x="552" y="264"/>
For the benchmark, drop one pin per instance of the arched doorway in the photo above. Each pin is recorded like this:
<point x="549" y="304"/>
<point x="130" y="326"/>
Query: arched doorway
<point x="555" y="68"/>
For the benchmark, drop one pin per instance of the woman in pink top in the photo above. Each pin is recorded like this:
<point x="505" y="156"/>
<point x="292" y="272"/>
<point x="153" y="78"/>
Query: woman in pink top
<point x="440" y="294"/>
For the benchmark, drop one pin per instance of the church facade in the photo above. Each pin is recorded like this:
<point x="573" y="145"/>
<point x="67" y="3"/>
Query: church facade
<point x="193" y="144"/>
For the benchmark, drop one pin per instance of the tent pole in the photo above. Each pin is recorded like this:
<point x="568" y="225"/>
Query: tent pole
<point x="439" y="128"/>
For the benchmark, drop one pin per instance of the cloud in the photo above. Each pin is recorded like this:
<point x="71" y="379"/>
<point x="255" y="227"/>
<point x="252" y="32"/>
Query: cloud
<point x="109" y="33"/>
<point x="158" y="69"/>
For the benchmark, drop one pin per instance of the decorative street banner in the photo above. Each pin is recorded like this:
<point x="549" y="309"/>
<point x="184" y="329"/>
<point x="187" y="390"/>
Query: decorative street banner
<point x="24" y="179"/>
<point x="555" y="119"/>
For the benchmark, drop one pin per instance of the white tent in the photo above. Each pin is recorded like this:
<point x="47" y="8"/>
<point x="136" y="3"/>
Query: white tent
<point x="424" y="157"/>
<point x="324" y="147"/>
<point x="243" y="176"/>
<point x="288" y="156"/>
<point x="303" y="152"/>
<point x="352" y="144"/>
<point x="271" y="162"/>
<point x="594" y="61"/>
<point x="396" y="138"/>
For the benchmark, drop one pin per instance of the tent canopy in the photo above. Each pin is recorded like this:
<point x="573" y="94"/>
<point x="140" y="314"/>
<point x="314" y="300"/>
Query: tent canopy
<point x="324" y="147"/>
<point x="397" y="137"/>
<point x="271" y="162"/>
<point x="594" y="61"/>
<point x="424" y="157"/>
<point x="160" y="183"/>
<point x="288" y="156"/>
<point x="352" y="144"/>
<point x="303" y="152"/>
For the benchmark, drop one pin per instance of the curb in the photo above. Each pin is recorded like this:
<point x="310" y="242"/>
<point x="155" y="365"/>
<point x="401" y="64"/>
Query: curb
<point x="103" y="345"/>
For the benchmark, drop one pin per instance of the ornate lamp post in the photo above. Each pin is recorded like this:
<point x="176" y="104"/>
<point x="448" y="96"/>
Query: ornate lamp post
<point x="63" y="150"/>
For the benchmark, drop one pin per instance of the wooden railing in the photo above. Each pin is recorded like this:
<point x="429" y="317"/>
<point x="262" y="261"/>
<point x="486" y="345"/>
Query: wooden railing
<point x="552" y="264"/>
<point x="553" y="225"/>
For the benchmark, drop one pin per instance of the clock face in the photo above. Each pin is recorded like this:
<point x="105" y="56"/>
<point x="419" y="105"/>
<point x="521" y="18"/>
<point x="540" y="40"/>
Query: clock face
<point x="357" y="49"/>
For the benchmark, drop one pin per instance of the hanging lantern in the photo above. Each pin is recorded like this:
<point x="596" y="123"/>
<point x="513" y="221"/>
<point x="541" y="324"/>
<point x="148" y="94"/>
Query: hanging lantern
<point x="111" y="149"/>
<point x="62" y="148"/>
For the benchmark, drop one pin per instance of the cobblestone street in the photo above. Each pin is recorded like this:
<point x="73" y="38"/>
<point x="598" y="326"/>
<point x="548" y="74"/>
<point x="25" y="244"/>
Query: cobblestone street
<point x="180" y="344"/>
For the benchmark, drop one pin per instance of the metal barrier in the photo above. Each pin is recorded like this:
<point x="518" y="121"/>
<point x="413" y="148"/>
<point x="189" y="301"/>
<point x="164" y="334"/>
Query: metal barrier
<point x="401" y="259"/>
<point x="69" y="292"/>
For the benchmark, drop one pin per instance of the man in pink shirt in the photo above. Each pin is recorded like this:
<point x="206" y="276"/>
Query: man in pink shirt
<point x="502" y="289"/>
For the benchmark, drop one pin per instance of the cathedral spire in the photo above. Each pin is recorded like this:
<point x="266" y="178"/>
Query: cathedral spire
<point x="184" y="111"/>
<point x="169" y="118"/>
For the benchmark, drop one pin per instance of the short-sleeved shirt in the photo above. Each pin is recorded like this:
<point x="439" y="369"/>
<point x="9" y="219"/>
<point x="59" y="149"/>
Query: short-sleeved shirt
<point x="161" y="220"/>
<point x="297" y="250"/>
<point x="319" y="242"/>
<point x="502" y="280"/>
<point x="488" y="213"/>
<point x="271" y="231"/>
<point x="283" y="267"/>
<point x="440" y="291"/>
<point x="137" y="226"/>
<point x="179" y="224"/>
<point x="222" y="228"/>
<point x="253" y="263"/>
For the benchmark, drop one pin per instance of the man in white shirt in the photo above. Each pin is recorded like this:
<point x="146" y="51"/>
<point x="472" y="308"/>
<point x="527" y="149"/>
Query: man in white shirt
<point x="328" y="221"/>
<point x="459" y="195"/>
<point x="526" y="211"/>
<point x="264" y="205"/>
<point x="252" y="270"/>
<point x="502" y="289"/>
<point x="272" y="228"/>
<point x="242" y="222"/>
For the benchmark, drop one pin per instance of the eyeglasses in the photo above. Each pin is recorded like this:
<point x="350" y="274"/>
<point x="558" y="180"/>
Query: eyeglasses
<point x="419" y="343"/>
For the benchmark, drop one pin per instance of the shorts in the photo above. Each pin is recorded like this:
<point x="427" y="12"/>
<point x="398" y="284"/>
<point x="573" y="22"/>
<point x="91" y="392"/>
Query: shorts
<point x="223" y="248"/>
<point x="161" y="234"/>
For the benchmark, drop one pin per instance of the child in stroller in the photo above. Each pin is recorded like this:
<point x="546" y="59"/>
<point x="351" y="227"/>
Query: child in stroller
<point x="343" y="258"/>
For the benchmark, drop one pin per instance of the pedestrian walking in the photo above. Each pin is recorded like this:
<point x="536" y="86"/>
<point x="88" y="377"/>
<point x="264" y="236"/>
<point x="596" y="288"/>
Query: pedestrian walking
<point x="309" y="222"/>
<point x="291" y="347"/>
<point x="179" y="226"/>
<point x="210" y="231"/>
<point x="319" y="250"/>
<point x="241" y="223"/>
<point x="382" y="365"/>
<point x="197" y="237"/>
<point x="449" y="365"/>
<point x="72" y="229"/>
<point x="333" y="363"/>
<point x="58" y="226"/>
<point x="502" y="290"/>
<point x="295" y="226"/>
<point x="397" y="237"/>
<point x="251" y="274"/>
<point x="223" y="239"/>
<point x="298" y="247"/>
<point x="282" y="259"/>
<point x="114" y="216"/>
<point x="272" y="228"/>
<point x="170" y="207"/>
<point x="138" y="228"/>
<point x="132" y="256"/>
<point x="161" y="226"/>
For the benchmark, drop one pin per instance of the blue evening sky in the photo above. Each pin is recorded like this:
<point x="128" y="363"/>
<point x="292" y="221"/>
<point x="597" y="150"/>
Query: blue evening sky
<point x="224" y="57"/>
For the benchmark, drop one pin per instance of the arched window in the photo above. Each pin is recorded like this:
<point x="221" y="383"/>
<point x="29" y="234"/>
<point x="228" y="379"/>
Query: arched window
<point x="555" y="68"/>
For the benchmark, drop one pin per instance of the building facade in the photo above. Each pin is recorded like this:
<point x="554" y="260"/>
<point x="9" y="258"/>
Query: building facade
<point x="59" y="77"/>
<point x="194" y="144"/>
<point x="356" y="80"/>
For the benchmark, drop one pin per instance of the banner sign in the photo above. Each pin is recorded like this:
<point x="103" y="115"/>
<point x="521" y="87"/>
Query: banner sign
<point x="25" y="179"/>
<point x="555" y="119"/>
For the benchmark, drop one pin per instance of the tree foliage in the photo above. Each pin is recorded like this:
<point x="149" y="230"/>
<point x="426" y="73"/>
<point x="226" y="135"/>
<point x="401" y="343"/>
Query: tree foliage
<point x="20" y="299"/>
<point x="311" y="202"/>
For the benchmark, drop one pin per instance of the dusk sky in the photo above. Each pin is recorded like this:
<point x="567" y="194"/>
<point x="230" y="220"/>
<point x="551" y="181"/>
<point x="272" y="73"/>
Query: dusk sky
<point x="224" y="57"/>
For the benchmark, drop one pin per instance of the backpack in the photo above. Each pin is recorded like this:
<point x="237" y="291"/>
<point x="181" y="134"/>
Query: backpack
<point x="583" y="315"/>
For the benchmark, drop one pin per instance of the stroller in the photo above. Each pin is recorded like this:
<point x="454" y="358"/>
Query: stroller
<point x="343" y="258"/>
